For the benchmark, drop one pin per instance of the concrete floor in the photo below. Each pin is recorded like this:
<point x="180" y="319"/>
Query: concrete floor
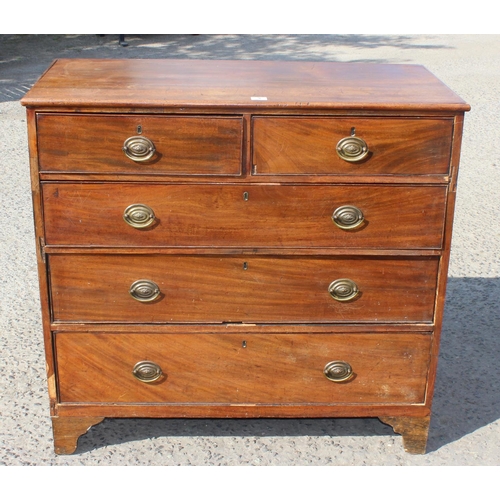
<point x="466" y="411"/>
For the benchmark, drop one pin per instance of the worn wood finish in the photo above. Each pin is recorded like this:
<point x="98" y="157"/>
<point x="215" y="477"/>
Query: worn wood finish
<point x="240" y="410"/>
<point x="41" y="258"/>
<point x="261" y="261"/>
<point x="184" y="145"/>
<point x="445" y="260"/>
<point x="415" y="431"/>
<point x="324" y="328"/>
<point x="68" y="429"/>
<point x="237" y="368"/>
<point x="301" y="146"/>
<point x="220" y="215"/>
<point x="177" y="83"/>
<point x="276" y="251"/>
<point x="247" y="178"/>
<point x="219" y="289"/>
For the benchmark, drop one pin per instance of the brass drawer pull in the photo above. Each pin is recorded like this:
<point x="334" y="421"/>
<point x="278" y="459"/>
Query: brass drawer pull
<point x="343" y="289"/>
<point x="139" y="216"/>
<point x="139" y="148"/>
<point x="147" y="371"/>
<point x="338" y="371"/>
<point x="352" y="149"/>
<point x="144" y="290"/>
<point x="348" y="217"/>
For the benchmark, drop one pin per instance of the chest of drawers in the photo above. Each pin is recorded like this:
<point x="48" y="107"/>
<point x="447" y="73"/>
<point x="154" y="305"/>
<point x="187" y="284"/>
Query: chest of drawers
<point x="236" y="239"/>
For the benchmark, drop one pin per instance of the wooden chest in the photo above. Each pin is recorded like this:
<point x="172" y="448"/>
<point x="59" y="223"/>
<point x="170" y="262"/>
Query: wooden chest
<point x="242" y="239"/>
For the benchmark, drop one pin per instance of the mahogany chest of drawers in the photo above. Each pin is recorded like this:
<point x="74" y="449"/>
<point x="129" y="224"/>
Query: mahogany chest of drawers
<point x="238" y="239"/>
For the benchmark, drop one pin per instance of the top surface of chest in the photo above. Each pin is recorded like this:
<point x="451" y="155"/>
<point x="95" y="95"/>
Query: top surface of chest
<point x="285" y="85"/>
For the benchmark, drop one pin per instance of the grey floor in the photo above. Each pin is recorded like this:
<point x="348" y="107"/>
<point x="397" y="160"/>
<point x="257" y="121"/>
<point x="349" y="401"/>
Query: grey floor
<point x="466" y="412"/>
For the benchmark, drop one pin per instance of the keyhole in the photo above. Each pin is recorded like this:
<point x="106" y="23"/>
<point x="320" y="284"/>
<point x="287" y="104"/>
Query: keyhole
<point x="353" y="131"/>
<point x="245" y="266"/>
<point x="245" y="196"/>
<point x="139" y="129"/>
<point x="244" y="344"/>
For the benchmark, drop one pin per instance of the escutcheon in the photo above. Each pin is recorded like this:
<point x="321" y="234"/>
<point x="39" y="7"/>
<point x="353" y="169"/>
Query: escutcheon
<point x="338" y="371"/>
<point x="144" y="290"/>
<point x="139" y="216"/>
<point x="343" y="289"/>
<point x="147" y="371"/>
<point x="348" y="217"/>
<point x="139" y="148"/>
<point x="352" y="149"/>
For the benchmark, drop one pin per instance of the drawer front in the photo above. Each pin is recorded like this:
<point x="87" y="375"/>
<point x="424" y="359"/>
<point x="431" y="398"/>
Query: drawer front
<point x="300" y="146"/>
<point x="222" y="289"/>
<point x="243" y="216"/>
<point x="216" y="368"/>
<point x="183" y="145"/>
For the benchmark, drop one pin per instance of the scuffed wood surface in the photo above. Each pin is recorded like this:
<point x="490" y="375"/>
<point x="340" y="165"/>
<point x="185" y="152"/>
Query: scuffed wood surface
<point x="415" y="431"/>
<point x="67" y="430"/>
<point x="292" y="84"/>
<point x="219" y="289"/>
<point x="272" y="368"/>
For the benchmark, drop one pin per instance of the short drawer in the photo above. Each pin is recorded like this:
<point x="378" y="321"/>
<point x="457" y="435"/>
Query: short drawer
<point x="168" y="145"/>
<point x="398" y="146"/>
<point x="219" y="289"/>
<point x="252" y="216"/>
<point x="242" y="368"/>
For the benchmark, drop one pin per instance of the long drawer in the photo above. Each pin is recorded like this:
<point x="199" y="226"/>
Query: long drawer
<point x="310" y="145"/>
<point x="242" y="368"/>
<point x="218" y="289"/>
<point x="244" y="215"/>
<point x="180" y="145"/>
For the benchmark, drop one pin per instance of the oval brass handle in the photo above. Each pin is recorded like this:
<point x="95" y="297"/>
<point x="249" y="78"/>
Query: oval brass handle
<point x="139" y="216"/>
<point x="147" y="371"/>
<point x="144" y="290"/>
<point x="338" y="371"/>
<point x="343" y="289"/>
<point x="352" y="149"/>
<point x="348" y="217"/>
<point x="139" y="148"/>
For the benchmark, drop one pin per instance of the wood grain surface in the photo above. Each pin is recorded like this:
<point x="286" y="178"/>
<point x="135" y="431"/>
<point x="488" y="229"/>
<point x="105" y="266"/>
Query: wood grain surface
<point x="415" y="431"/>
<point x="300" y="145"/>
<point x="216" y="84"/>
<point x="67" y="430"/>
<point x="194" y="215"/>
<point x="272" y="368"/>
<point x="243" y="183"/>
<point x="219" y="289"/>
<point x="184" y="145"/>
